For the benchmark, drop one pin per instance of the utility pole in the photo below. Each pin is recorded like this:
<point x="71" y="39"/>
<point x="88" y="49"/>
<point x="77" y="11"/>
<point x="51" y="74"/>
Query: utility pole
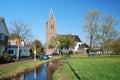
<point x="18" y="49"/>
<point x="18" y="52"/>
<point x="34" y="51"/>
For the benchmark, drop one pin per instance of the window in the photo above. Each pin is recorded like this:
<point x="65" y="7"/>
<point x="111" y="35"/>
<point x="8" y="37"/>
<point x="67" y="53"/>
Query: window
<point x="51" y="26"/>
<point x="1" y="49"/>
<point x="2" y="37"/>
<point x="9" y="43"/>
<point x="10" y="51"/>
<point x="15" y="43"/>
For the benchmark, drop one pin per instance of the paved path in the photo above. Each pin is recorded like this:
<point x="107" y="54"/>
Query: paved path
<point x="7" y="65"/>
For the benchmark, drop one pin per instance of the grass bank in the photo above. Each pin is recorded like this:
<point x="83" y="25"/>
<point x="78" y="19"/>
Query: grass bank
<point x="105" y="67"/>
<point x="14" y="70"/>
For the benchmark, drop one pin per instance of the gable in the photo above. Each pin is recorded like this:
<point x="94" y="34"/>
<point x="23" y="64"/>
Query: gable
<point x="3" y="27"/>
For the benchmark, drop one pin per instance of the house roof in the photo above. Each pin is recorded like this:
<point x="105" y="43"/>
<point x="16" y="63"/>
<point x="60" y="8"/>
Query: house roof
<point x="77" y="39"/>
<point x="16" y="40"/>
<point x="84" y="45"/>
<point x="3" y="27"/>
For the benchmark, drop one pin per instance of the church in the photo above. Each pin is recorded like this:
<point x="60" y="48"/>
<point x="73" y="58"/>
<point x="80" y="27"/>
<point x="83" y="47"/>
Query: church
<point x="50" y="31"/>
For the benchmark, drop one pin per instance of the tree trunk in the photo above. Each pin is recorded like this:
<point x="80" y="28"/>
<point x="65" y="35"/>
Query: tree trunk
<point x="91" y="38"/>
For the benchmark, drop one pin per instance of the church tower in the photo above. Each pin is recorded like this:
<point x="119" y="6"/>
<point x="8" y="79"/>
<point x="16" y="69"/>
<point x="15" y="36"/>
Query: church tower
<point x="50" y="31"/>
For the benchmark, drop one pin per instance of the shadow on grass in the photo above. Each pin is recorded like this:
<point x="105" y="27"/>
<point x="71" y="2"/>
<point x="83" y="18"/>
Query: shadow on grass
<point x="74" y="71"/>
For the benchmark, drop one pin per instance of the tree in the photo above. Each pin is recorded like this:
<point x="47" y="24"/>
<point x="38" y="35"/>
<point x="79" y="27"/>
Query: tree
<point x="20" y="30"/>
<point x="53" y="42"/>
<point x="116" y="46"/>
<point x="62" y="41"/>
<point x="91" y="25"/>
<point x="13" y="35"/>
<point x="38" y="46"/>
<point x="71" y="39"/>
<point x="108" y="32"/>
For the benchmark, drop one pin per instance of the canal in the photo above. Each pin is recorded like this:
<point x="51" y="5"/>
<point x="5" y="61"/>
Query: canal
<point x="43" y="72"/>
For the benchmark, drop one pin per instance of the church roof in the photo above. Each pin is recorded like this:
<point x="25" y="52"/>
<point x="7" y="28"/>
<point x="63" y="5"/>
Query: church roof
<point x="51" y="16"/>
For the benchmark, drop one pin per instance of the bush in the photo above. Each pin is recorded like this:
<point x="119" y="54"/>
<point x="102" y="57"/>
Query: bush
<point x="92" y="50"/>
<point x="5" y="57"/>
<point x="76" y="52"/>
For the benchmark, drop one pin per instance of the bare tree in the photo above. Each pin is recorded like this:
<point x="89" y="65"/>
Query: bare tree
<point x="91" y="25"/>
<point x="22" y="30"/>
<point x="108" y="31"/>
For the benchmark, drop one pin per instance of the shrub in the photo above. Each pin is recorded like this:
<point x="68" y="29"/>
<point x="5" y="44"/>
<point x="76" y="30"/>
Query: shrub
<point x="92" y="50"/>
<point x="5" y="57"/>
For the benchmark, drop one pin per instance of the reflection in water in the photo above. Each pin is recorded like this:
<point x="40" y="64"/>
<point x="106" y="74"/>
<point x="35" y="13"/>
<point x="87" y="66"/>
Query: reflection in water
<point x="34" y="73"/>
<point x="50" y="70"/>
<point x="44" y="72"/>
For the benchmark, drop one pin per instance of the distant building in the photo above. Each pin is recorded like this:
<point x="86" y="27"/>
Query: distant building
<point x="78" y="43"/>
<point x="3" y="36"/>
<point x="80" y="47"/>
<point x="13" y="47"/>
<point x="50" y="31"/>
<point x="83" y="48"/>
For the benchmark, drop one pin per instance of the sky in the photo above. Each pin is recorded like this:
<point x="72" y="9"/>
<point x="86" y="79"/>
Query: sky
<point x="69" y="14"/>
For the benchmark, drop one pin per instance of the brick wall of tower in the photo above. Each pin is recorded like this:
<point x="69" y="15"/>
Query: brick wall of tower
<point x="50" y="32"/>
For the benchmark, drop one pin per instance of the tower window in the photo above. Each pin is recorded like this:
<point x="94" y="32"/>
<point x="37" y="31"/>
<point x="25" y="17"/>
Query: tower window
<point x="51" y="26"/>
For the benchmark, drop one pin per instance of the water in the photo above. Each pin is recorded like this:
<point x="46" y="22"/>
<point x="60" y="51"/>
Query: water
<point x="44" y="72"/>
<point x="37" y="74"/>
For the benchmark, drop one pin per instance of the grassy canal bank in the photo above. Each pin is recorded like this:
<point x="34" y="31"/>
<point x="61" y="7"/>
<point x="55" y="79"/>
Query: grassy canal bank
<point x="103" y="67"/>
<point x="12" y="69"/>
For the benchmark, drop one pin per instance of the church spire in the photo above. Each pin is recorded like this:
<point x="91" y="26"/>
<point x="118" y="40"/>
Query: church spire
<point x="51" y="16"/>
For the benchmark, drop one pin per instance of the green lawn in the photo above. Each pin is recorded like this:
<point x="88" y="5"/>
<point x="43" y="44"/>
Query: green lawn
<point x="91" y="68"/>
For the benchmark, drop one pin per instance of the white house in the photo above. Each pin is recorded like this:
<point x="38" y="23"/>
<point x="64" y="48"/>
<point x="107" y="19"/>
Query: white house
<point x="80" y="47"/>
<point x="24" y="49"/>
<point x="78" y="44"/>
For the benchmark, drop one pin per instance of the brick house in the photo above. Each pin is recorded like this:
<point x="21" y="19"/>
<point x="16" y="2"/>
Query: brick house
<point x="3" y="36"/>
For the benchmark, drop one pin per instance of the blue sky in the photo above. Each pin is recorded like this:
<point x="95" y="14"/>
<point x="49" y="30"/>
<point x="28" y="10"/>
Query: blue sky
<point x="69" y="14"/>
